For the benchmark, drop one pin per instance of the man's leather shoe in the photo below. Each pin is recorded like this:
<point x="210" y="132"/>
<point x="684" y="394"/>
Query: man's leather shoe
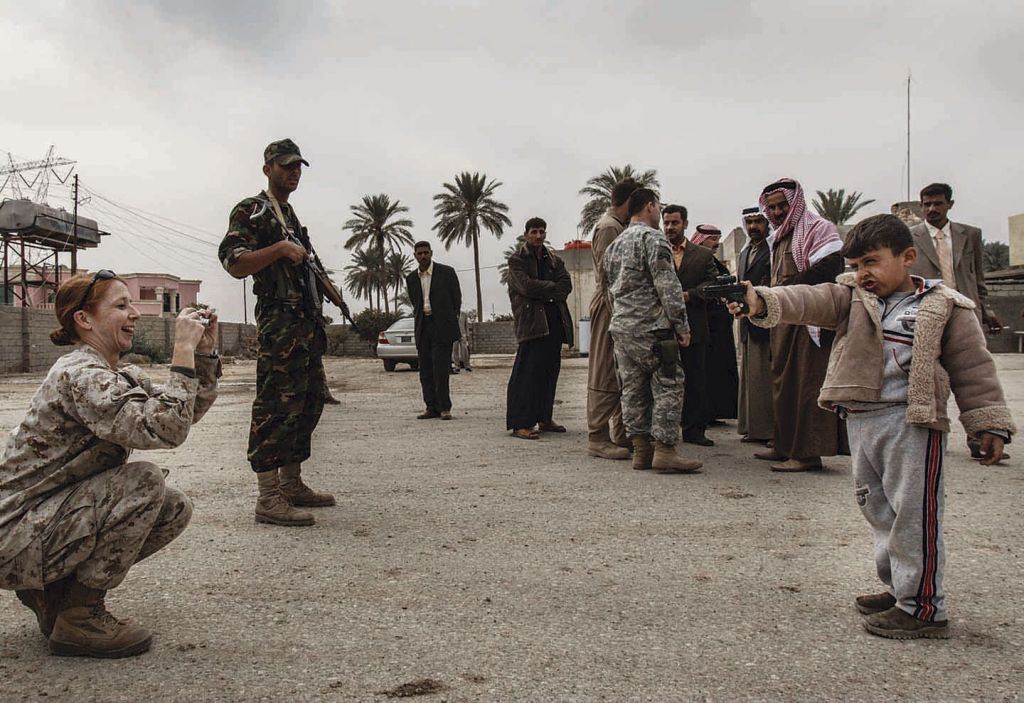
<point x="428" y="414"/>
<point x="446" y="415"/>
<point x="769" y="455"/>
<point x="699" y="439"/>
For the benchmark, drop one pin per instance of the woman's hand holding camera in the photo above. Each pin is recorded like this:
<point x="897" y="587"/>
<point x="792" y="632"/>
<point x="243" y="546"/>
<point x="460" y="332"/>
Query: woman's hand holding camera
<point x="194" y="331"/>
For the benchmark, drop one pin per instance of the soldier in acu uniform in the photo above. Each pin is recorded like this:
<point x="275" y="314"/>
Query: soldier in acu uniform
<point x="266" y="241"/>
<point x="648" y="325"/>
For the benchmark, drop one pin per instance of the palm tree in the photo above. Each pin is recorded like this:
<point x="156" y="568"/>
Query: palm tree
<point x="373" y="226"/>
<point x="365" y="276"/>
<point x="837" y="207"/>
<point x="462" y="209"/>
<point x="396" y="267"/>
<point x="503" y="268"/>
<point x="599" y="190"/>
<point x="995" y="256"/>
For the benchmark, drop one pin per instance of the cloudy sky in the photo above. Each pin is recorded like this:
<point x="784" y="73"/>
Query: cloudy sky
<point x="167" y="106"/>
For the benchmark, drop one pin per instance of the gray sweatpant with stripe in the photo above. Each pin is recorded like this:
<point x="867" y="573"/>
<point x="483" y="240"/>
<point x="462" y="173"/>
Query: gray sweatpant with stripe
<point x="897" y="470"/>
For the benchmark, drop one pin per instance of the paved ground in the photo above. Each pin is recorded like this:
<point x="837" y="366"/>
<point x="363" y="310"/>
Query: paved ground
<point x="511" y="570"/>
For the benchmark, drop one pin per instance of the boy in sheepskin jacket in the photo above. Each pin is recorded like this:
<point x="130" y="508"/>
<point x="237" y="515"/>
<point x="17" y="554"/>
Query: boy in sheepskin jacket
<point x="902" y="343"/>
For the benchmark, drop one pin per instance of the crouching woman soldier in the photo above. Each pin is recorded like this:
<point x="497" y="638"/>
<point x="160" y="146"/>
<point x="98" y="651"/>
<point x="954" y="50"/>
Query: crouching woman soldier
<point x="75" y="514"/>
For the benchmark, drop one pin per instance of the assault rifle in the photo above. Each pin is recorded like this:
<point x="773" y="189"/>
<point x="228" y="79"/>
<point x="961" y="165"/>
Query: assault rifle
<point x="726" y="288"/>
<point x="326" y="285"/>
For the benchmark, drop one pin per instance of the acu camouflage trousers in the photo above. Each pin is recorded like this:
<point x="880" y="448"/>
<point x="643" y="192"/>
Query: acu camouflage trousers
<point x="103" y="525"/>
<point x="290" y="387"/>
<point x="652" y="400"/>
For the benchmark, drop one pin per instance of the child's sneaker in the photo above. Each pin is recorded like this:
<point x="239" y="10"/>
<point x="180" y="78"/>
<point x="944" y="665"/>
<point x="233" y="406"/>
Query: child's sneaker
<point x="898" y="625"/>
<point x="875" y="603"/>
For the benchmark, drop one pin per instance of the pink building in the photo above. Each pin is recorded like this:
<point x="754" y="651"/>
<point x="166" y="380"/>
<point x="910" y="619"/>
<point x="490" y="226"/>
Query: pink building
<point x="155" y="294"/>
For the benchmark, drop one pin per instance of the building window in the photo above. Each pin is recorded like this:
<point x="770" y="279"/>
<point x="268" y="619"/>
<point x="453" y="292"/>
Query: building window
<point x="147" y="293"/>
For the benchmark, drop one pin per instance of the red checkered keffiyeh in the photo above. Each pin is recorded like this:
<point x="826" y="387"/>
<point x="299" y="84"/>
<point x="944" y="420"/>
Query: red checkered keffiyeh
<point x="704" y="232"/>
<point x="814" y="237"/>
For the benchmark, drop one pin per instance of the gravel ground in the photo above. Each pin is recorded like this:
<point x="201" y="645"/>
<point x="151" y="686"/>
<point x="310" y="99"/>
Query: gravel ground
<point x="498" y="569"/>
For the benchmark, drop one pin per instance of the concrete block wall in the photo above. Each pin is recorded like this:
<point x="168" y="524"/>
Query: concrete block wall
<point x="1007" y="301"/>
<point x="25" y="345"/>
<point x="494" y="337"/>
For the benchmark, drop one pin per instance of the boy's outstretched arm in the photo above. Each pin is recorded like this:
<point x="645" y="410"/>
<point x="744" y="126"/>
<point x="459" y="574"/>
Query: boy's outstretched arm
<point x="823" y="305"/>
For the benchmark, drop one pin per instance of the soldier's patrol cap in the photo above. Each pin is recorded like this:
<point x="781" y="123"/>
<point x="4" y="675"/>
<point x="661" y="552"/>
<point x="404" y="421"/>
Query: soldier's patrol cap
<point x="284" y="151"/>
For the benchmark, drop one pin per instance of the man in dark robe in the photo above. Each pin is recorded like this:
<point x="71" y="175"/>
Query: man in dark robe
<point x="723" y="379"/>
<point x="754" y="264"/>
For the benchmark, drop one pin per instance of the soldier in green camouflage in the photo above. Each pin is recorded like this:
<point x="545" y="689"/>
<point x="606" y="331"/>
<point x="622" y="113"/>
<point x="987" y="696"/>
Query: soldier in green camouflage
<point x="265" y="240"/>
<point x="647" y="326"/>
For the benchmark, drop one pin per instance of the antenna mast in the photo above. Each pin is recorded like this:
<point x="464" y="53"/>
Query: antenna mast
<point x="908" y="135"/>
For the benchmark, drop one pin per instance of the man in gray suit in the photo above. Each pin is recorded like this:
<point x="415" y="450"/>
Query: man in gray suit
<point x="951" y="251"/>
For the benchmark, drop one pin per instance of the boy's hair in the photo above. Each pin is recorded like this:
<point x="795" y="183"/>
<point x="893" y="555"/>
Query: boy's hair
<point x="641" y="198"/>
<point x="622" y="190"/>
<point x="943" y="189"/>
<point x="877" y="232"/>
<point x="534" y="222"/>
<point x="671" y="209"/>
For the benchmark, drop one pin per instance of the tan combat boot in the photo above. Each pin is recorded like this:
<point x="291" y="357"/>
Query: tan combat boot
<point x="643" y="452"/>
<point x="273" y="508"/>
<point x="668" y="461"/>
<point x="298" y="493"/>
<point x="84" y="628"/>
<point x="605" y="449"/>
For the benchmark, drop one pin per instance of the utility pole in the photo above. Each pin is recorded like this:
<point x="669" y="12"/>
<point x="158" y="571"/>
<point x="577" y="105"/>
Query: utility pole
<point x="908" y="135"/>
<point x="74" y="230"/>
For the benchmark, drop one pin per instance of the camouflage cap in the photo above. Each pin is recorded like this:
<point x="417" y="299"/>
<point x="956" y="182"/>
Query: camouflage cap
<point x="285" y="151"/>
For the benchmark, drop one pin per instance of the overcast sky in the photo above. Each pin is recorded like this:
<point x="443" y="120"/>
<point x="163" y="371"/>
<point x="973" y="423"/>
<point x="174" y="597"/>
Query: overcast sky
<point x="167" y="106"/>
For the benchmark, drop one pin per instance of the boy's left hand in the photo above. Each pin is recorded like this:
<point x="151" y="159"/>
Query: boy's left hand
<point x="991" y="448"/>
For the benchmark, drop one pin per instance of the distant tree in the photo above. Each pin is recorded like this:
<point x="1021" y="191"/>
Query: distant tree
<point x="365" y="276"/>
<point x="396" y="267"/>
<point x="465" y="208"/>
<point x="503" y="268"/>
<point x="599" y="190"/>
<point x="838" y="207"/>
<point x="377" y="224"/>
<point x="995" y="256"/>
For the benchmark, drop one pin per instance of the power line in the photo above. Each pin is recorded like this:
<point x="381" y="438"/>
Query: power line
<point x="150" y="220"/>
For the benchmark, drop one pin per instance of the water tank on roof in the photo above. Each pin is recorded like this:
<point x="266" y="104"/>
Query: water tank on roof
<point x="47" y="226"/>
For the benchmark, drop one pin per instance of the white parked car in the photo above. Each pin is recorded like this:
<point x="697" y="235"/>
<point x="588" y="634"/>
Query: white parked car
<point x="397" y="345"/>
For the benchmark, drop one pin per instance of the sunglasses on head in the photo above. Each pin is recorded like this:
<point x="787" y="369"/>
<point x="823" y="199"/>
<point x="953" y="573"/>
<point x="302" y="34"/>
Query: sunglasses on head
<point x="101" y="275"/>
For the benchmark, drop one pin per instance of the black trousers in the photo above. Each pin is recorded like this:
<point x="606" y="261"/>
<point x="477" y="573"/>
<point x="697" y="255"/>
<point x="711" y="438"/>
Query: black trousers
<point x="531" y="387"/>
<point x="695" y="393"/>
<point x="435" y="357"/>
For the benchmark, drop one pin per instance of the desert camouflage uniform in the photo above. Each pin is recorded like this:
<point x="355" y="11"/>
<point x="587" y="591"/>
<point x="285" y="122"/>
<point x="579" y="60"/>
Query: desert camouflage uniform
<point x="290" y="381"/>
<point x="69" y="502"/>
<point x="646" y="298"/>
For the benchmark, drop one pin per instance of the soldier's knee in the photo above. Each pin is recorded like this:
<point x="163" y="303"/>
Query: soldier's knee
<point x="145" y="478"/>
<point x="178" y="505"/>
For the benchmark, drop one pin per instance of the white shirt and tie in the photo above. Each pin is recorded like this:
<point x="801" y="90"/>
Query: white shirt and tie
<point x="942" y="238"/>
<point x="425" y="277"/>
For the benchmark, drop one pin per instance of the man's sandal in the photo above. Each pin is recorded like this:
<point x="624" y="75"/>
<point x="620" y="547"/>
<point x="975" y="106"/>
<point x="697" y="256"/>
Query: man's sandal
<point x="526" y="433"/>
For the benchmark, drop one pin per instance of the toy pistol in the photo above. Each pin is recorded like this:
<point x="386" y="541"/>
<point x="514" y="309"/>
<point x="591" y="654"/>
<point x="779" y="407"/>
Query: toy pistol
<point x="726" y="288"/>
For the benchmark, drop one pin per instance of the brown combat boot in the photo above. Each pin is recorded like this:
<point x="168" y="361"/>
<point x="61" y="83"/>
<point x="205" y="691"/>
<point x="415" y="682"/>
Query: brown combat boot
<point x="45" y="603"/>
<point x="84" y="628"/>
<point x="298" y="493"/>
<point x="668" y="461"/>
<point x="273" y="508"/>
<point x="604" y="449"/>
<point x="643" y="452"/>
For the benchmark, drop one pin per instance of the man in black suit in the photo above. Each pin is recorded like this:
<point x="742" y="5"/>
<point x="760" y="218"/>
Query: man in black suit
<point x="754" y="264"/>
<point x="695" y="266"/>
<point x="436" y="300"/>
